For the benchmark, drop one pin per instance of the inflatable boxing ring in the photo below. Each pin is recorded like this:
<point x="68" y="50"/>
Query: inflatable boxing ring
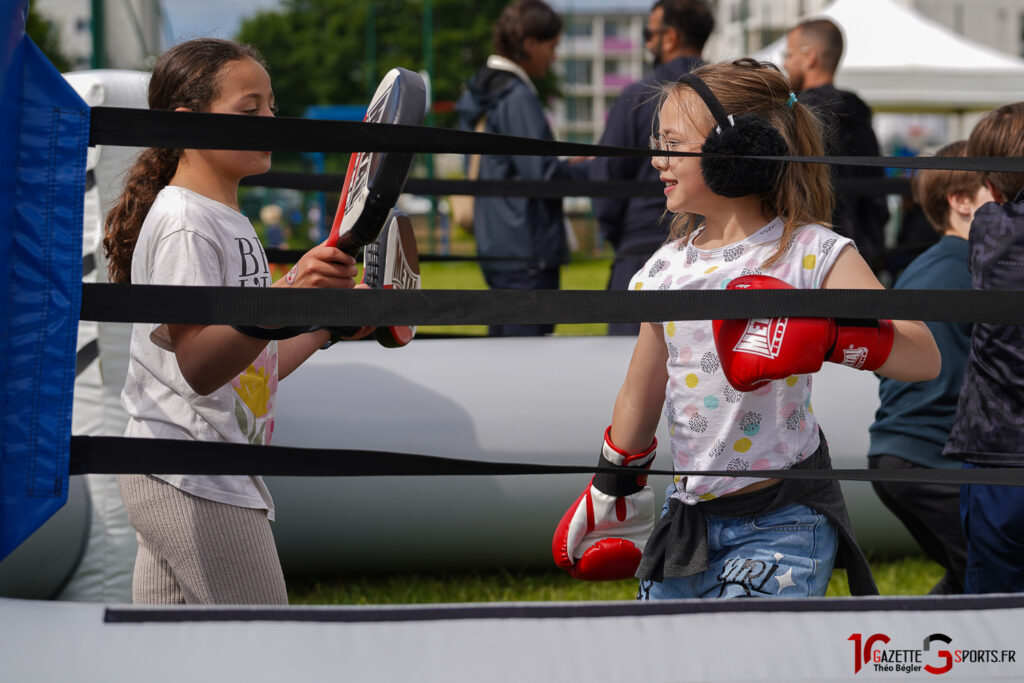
<point x="54" y="385"/>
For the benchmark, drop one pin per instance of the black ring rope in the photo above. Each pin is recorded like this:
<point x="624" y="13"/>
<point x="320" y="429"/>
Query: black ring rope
<point x="177" y="130"/>
<point x="127" y="455"/>
<point x="328" y="307"/>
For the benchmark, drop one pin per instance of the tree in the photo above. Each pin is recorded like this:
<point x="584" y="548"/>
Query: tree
<point x="46" y="36"/>
<point x="317" y="49"/>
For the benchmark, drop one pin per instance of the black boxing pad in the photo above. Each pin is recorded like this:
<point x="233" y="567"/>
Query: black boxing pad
<point x="733" y="136"/>
<point x="392" y="262"/>
<point x="373" y="181"/>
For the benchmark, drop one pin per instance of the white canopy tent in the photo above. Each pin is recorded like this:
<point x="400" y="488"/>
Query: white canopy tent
<point x="900" y="61"/>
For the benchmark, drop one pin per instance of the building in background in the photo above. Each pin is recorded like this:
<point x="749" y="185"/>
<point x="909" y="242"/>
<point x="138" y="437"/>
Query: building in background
<point x="128" y="37"/>
<point x="601" y="52"/>
<point x="996" y="23"/>
<point x="742" y="27"/>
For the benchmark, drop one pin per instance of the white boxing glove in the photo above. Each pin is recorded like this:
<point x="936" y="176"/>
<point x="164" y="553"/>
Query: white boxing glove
<point x="602" y="535"/>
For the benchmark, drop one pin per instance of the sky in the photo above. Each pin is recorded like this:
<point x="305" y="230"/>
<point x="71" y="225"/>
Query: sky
<point x="221" y="18"/>
<point x="217" y="18"/>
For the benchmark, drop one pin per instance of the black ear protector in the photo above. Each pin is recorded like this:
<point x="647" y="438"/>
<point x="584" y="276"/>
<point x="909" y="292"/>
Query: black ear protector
<point x="734" y="135"/>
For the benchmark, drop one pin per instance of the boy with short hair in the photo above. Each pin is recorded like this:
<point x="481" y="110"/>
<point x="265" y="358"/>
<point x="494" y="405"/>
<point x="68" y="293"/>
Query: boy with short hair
<point x="914" y="418"/>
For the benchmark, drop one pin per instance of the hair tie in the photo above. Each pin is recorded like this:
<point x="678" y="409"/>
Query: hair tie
<point x="792" y="100"/>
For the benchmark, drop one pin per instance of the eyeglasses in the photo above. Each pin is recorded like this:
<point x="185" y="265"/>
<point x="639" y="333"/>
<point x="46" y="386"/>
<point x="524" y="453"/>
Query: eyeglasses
<point x="659" y="143"/>
<point x="648" y="33"/>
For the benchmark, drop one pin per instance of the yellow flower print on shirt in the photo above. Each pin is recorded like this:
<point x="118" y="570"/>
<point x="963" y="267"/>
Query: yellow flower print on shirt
<point x="253" y="402"/>
<point x="254" y="390"/>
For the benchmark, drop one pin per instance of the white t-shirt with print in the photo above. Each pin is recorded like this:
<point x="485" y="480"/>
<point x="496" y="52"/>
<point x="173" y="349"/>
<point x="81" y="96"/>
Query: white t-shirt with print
<point x="711" y="425"/>
<point x="189" y="239"/>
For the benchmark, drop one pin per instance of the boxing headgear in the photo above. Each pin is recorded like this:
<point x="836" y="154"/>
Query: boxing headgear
<point x="738" y="137"/>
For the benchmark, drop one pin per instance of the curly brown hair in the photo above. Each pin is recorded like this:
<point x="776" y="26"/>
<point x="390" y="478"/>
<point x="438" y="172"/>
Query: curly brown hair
<point x="187" y="75"/>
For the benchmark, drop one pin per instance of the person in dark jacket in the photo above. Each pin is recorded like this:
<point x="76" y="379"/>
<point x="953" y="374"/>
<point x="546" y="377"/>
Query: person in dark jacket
<point x="914" y="419"/>
<point x="989" y="427"/>
<point x="813" y="50"/>
<point x="636" y="226"/>
<point x="526" y="236"/>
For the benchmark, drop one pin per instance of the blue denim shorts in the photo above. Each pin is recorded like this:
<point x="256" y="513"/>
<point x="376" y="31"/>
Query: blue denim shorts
<point x="788" y="552"/>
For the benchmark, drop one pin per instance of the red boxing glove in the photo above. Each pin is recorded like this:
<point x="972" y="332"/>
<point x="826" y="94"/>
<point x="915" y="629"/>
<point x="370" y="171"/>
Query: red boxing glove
<point x="756" y="351"/>
<point x="602" y="535"/>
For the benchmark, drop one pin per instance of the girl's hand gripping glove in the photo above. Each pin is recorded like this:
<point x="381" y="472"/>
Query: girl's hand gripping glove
<point x="601" y="537"/>
<point x="756" y="351"/>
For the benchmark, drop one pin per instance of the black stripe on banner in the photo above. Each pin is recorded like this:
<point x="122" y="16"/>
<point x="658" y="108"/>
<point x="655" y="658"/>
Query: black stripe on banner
<point x="125" y="455"/>
<point x="336" y="307"/>
<point x="386" y="614"/>
<point x="86" y="355"/>
<point x="176" y="130"/>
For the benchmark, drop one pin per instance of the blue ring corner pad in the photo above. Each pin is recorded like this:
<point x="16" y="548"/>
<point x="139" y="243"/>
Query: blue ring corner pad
<point x="44" y="137"/>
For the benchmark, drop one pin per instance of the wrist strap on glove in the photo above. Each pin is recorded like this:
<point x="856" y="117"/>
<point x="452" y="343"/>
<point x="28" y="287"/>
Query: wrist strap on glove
<point x="616" y="478"/>
<point x="861" y="344"/>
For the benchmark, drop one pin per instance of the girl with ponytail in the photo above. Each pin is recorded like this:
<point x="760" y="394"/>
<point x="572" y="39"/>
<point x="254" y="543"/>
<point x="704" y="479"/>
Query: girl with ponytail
<point x="205" y="539"/>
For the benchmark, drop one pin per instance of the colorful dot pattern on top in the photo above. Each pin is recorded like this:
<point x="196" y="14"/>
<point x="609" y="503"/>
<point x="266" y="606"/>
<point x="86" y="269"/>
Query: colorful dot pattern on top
<point x="711" y="425"/>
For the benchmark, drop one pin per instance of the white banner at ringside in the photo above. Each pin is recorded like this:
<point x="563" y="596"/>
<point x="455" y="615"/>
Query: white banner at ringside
<point x="837" y="639"/>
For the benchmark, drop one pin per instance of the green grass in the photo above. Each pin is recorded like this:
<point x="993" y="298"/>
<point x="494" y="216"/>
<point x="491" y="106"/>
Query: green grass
<point x="452" y="587"/>
<point x="912" y="575"/>
<point x="904" y="576"/>
<point x="584" y="274"/>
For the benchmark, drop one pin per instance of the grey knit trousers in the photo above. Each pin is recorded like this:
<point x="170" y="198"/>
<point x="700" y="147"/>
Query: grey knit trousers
<point x="197" y="551"/>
